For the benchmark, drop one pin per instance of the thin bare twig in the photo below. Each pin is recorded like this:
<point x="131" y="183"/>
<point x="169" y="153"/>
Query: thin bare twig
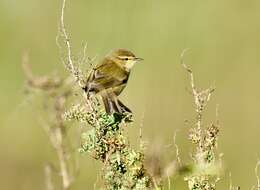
<point x="141" y="128"/>
<point x="56" y="135"/>
<point x="74" y="70"/>
<point x="169" y="182"/>
<point x="26" y="67"/>
<point x="257" y="176"/>
<point x="66" y="36"/>
<point x="201" y="97"/>
<point x="177" y="148"/>
<point x="230" y="181"/>
<point x="70" y="65"/>
<point x="62" y="155"/>
<point x="203" y="138"/>
<point x="189" y="70"/>
<point x="48" y="177"/>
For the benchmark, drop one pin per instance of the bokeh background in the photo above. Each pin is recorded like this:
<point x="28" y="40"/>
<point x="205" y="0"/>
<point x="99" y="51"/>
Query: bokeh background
<point x="224" y="42"/>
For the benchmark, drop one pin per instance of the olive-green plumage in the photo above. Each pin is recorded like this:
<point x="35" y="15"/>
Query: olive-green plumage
<point x="110" y="77"/>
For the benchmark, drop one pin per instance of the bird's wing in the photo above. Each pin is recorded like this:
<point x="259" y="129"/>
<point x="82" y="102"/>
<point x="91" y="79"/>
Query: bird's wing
<point x="107" y="75"/>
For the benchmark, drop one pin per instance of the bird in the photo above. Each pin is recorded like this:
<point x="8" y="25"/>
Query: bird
<point x="109" y="78"/>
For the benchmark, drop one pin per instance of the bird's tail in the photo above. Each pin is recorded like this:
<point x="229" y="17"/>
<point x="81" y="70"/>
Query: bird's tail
<point x="114" y="105"/>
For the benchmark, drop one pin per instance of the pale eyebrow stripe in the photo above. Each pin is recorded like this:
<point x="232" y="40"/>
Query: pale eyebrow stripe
<point x="123" y="57"/>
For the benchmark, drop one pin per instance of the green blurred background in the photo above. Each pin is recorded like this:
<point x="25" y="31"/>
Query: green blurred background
<point x="224" y="41"/>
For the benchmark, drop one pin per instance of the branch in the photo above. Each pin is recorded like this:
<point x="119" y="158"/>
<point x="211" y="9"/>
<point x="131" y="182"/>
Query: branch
<point x="257" y="176"/>
<point x="204" y="140"/>
<point x="71" y="67"/>
<point x="201" y="97"/>
<point x="75" y="72"/>
<point x="62" y="155"/>
<point x="55" y="128"/>
<point x="66" y="36"/>
<point x="188" y="69"/>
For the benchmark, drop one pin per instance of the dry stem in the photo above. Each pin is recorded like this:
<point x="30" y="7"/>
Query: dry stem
<point x="79" y="78"/>
<point x="56" y="131"/>
<point x="67" y="40"/>
<point x="257" y="176"/>
<point x="48" y="177"/>
<point x="201" y="97"/>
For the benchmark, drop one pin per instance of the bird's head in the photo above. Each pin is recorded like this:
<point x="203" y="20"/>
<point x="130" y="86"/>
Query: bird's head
<point x="124" y="58"/>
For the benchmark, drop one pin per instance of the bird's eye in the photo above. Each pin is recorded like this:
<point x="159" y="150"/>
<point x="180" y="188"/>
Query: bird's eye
<point x="123" y="58"/>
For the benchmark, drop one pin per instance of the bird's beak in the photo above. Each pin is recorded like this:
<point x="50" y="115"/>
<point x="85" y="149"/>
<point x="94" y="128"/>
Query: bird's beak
<point x="139" y="59"/>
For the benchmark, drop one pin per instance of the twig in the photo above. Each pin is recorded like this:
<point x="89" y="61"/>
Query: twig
<point x="203" y="138"/>
<point x="67" y="40"/>
<point x="176" y="148"/>
<point x="194" y="93"/>
<point x="26" y="67"/>
<point x="56" y="136"/>
<point x="69" y="65"/>
<point x="169" y="182"/>
<point x="55" y="130"/>
<point x="230" y="181"/>
<point x="201" y="97"/>
<point x="189" y="70"/>
<point x="141" y="128"/>
<point x="48" y="177"/>
<point x="62" y="155"/>
<point x="256" y="174"/>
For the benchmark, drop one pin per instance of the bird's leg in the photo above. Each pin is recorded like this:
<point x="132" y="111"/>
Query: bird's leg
<point x="116" y="102"/>
<point x="125" y="108"/>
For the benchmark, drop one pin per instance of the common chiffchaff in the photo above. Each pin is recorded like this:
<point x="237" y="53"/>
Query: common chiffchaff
<point x="110" y="77"/>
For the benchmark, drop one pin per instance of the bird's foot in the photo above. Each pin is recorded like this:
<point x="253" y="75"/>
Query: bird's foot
<point x="126" y="117"/>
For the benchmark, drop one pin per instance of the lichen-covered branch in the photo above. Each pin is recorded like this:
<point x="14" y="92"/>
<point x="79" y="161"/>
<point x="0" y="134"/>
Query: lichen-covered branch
<point x="107" y="142"/>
